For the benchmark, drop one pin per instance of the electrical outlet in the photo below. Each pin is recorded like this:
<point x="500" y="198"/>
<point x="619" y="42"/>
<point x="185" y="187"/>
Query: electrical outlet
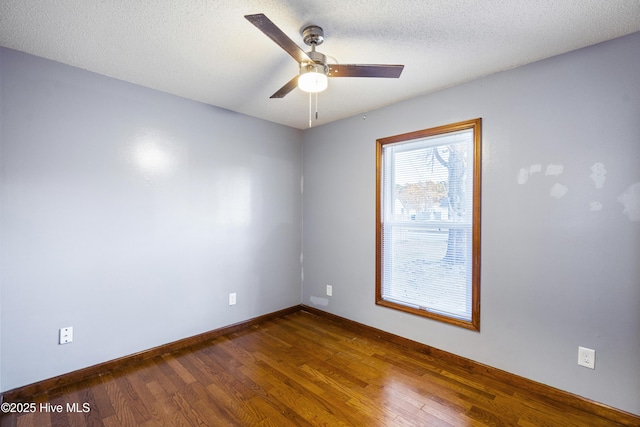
<point x="66" y="335"/>
<point x="232" y="298"/>
<point x="587" y="357"/>
<point x="329" y="290"/>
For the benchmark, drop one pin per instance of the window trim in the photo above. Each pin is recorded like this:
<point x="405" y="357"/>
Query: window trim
<point x="476" y="126"/>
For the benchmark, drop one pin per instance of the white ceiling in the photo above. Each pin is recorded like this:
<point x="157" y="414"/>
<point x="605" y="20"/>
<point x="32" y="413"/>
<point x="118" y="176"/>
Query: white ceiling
<point x="205" y="50"/>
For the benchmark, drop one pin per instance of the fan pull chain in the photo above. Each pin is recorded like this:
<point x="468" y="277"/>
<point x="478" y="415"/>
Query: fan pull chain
<point x="309" y="109"/>
<point x="310" y="115"/>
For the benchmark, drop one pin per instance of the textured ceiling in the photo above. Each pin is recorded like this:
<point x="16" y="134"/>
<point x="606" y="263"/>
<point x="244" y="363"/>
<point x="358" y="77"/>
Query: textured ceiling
<point x="205" y="50"/>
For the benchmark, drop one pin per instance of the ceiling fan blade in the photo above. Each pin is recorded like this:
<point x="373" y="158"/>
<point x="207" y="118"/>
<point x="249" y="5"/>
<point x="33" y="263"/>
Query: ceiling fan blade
<point x="284" y="90"/>
<point x="365" y="70"/>
<point x="265" y="25"/>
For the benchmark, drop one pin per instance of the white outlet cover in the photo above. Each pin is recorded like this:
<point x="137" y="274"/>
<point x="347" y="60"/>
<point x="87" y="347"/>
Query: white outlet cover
<point x="66" y="335"/>
<point x="232" y="298"/>
<point x="587" y="357"/>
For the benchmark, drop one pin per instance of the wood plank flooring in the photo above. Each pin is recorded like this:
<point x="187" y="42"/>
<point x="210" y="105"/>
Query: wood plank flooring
<point x="297" y="370"/>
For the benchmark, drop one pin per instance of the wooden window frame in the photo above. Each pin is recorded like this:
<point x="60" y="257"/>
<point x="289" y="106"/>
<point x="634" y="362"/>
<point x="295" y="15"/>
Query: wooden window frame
<point x="476" y="126"/>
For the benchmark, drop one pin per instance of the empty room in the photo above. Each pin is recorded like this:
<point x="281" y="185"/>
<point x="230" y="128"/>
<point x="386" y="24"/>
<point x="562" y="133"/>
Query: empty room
<point x="371" y="213"/>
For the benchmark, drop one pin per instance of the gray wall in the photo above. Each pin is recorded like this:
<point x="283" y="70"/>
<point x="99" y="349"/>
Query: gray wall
<point x="556" y="272"/>
<point x="130" y="215"/>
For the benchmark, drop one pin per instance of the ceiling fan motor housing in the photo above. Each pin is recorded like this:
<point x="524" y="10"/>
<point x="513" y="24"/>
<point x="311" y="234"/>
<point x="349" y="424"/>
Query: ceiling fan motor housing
<point x="309" y="67"/>
<point x="318" y="58"/>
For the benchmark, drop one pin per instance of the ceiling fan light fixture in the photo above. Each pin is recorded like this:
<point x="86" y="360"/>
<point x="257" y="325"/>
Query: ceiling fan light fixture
<point x="313" y="78"/>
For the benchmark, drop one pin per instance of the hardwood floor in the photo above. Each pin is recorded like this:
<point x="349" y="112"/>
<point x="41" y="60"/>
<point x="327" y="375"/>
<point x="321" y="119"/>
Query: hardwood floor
<point x="297" y="370"/>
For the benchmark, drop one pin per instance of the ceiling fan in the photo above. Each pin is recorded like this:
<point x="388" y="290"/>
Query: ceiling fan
<point x="314" y="69"/>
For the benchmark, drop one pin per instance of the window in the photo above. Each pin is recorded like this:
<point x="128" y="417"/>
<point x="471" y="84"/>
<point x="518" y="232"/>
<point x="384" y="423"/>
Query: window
<point x="428" y="223"/>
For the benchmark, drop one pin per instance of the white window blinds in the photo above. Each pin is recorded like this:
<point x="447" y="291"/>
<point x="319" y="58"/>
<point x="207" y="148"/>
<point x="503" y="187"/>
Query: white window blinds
<point x="427" y="222"/>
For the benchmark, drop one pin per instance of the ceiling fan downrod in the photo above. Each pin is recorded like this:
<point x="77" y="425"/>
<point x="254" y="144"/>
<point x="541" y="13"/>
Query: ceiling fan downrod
<point x="314" y="36"/>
